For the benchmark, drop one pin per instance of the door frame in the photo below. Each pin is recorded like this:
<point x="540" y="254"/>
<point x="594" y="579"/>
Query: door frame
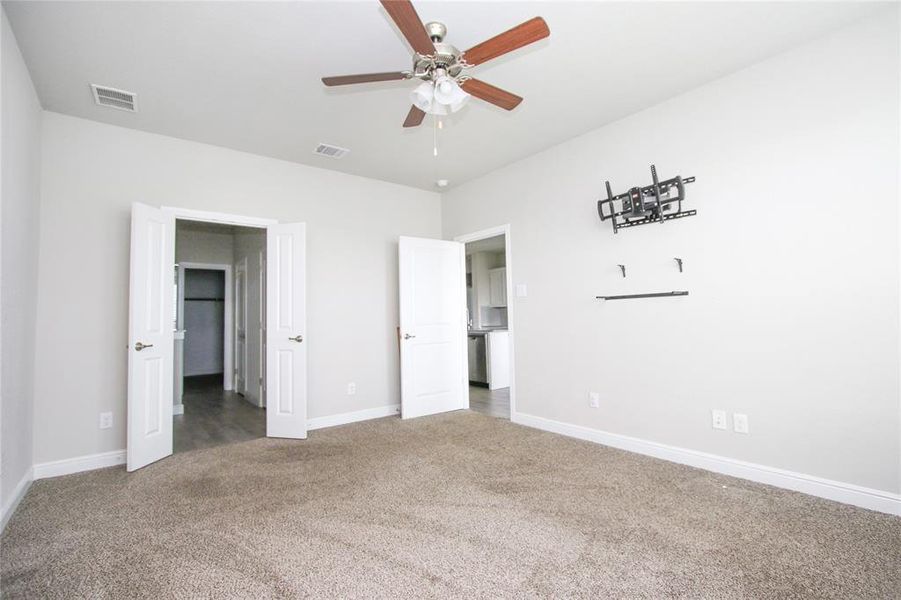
<point x="187" y="214"/>
<point x="203" y="216"/>
<point x="482" y="234"/>
<point x="228" y="339"/>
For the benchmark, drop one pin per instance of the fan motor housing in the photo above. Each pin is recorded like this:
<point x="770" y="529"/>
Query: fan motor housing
<point x="446" y="56"/>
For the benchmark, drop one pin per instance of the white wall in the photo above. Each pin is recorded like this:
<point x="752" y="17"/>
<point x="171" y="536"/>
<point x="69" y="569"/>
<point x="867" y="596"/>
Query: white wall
<point x="792" y="264"/>
<point x="200" y="244"/>
<point x="92" y="172"/>
<point x="19" y="206"/>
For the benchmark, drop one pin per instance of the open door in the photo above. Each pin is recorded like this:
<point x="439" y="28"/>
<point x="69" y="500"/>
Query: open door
<point x="286" y="348"/>
<point x="241" y="327"/>
<point x="151" y="324"/>
<point x="432" y="327"/>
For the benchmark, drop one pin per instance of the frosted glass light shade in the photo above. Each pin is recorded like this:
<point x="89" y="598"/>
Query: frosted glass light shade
<point x="449" y="92"/>
<point x="440" y="97"/>
<point x="423" y="96"/>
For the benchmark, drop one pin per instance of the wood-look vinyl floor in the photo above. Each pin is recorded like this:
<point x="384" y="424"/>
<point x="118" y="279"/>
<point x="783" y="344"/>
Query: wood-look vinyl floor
<point x="492" y="403"/>
<point x="214" y="417"/>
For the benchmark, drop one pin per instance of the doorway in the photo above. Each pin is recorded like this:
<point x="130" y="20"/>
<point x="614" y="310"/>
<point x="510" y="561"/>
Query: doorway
<point x="269" y="320"/>
<point x="219" y="324"/>
<point x="487" y="323"/>
<point x="441" y="311"/>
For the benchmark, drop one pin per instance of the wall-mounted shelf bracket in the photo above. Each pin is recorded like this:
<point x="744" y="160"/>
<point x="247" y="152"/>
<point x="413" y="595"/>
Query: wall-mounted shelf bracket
<point x="678" y="262"/>
<point x="623" y="269"/>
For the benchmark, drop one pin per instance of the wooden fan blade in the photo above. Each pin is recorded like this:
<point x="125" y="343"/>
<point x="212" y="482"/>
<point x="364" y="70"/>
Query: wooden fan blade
<point x="489" y="93"/>
<point x="404" y="16"/>
<point x="365" y="78"/>
<point x="521" y="35"/>
<point x="414" y="117"/>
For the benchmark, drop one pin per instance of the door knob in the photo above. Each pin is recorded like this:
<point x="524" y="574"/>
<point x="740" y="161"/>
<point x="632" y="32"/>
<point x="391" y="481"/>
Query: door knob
<point x="407" y="336"/>
<point x="139" y="346"/>
<point x="297" y="339"/>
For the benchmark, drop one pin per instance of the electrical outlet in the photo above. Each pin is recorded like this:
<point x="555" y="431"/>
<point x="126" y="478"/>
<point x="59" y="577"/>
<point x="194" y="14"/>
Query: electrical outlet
<point x="106" y="420"/>
<point x="594" y="399"/>
<point x="740" y="423"/>
<point x="521" y="290"/>
<point x="718" y="419"/>
<point x="351" y="388"/>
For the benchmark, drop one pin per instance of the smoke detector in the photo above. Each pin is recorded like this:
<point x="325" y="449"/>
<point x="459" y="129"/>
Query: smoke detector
<point x="442" y="183"/>
<point x="113" y="98"/>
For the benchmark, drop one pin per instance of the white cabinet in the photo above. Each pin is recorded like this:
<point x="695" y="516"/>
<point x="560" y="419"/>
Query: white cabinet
<point x="497" y="287"/>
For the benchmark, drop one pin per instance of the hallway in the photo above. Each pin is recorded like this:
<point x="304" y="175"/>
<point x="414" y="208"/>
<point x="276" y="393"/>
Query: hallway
<point x="214" y="417"/>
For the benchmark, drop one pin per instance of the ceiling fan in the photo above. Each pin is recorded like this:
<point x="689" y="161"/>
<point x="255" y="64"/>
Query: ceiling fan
<point x="445" y="88"/>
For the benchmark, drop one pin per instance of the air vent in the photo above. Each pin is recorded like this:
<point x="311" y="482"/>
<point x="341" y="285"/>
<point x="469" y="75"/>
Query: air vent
<point x="107" y="96"/>
<point x="330" y="151"/>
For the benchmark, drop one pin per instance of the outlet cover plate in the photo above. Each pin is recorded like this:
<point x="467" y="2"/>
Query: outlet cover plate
<point x="106" y="420"/>
<point x="740" y="423"/>
<point x="594" y="399"/>
<point x="718" y="419"/>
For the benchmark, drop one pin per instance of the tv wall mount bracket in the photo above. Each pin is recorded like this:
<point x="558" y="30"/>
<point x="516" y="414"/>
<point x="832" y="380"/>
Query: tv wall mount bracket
<point x="659" y="202"/>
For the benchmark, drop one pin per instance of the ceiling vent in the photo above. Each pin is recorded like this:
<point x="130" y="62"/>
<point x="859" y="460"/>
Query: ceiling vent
<point x="330" y="151"/>
<point x="107" y="96"/>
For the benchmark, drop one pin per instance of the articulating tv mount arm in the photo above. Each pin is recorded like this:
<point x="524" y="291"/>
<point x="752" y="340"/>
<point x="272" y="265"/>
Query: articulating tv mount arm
<point x="661" y="201"/>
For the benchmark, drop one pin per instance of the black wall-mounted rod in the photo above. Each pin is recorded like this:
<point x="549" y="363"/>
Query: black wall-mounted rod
<point x="654" y="295"/>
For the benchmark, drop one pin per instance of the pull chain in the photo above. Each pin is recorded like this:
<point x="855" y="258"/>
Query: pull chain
<point x="435" y="126"/>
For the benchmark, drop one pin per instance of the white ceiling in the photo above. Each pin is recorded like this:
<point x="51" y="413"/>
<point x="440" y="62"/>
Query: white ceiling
<point x="245" y="75"/>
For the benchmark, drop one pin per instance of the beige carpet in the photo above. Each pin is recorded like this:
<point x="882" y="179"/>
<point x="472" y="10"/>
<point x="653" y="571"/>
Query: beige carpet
<point x="454" y="506"/>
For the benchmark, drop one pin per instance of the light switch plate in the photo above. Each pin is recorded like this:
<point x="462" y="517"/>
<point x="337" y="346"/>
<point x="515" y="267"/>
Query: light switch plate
<point x="521" y="290"/>
<point x="740" y="423"/>
<point x="718" y="419"/>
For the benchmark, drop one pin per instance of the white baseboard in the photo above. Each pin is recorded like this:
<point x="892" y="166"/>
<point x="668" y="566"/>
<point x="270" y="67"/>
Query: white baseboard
<point x="18" y="493"/>
<point x="117" y="457"/>
<point x="178" y="409"/>
<point x="838" y="491"/>
<point x="78" y="464"/>
<point x="353" y="417"/>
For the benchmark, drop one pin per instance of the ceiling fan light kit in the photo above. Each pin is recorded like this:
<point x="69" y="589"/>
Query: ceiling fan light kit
<point x="445" y="88"/>
<point x="439" y="97"/>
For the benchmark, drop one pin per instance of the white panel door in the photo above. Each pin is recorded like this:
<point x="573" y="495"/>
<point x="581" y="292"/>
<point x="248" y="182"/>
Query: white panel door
<point x="262" y="319"/>
<point x="286" y="346"/>
<point x="151" y="324"/>
<point x="432" y="327"/>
